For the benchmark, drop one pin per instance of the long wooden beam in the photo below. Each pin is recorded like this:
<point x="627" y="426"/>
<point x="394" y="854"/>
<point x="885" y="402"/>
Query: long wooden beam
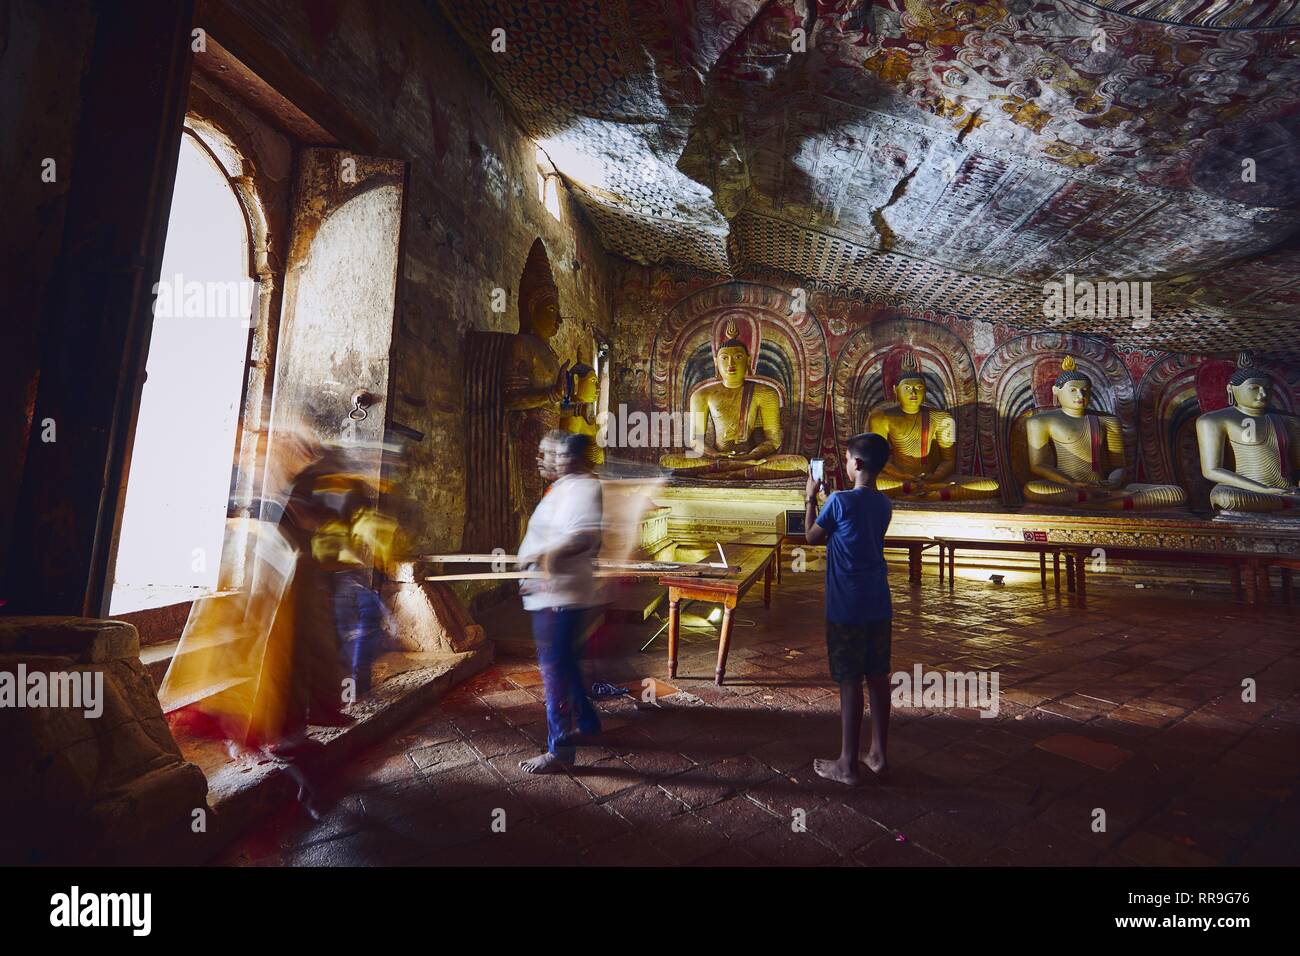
<point x="533" y="575"/>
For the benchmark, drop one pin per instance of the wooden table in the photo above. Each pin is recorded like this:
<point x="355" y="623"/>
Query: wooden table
<point x="915" y="545"/>
<point x="754" y="562"/>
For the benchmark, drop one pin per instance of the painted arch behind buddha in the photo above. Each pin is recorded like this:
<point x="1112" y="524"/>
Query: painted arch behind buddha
<point x="787" y="351"/>
<point x="869" y="360"/>
<point x="1173" y="393"/>
<point x="1015" y="382"/>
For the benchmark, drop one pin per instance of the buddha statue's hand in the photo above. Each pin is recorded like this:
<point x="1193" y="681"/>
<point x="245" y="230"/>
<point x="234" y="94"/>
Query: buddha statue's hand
<point x="561" y="383"/>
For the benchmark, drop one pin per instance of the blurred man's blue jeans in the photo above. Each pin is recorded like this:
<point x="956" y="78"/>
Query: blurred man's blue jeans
<point x="557" y="632"/>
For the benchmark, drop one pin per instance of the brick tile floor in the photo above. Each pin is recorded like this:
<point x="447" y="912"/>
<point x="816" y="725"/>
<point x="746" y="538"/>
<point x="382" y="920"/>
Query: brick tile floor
<point x="1121" y="739"/>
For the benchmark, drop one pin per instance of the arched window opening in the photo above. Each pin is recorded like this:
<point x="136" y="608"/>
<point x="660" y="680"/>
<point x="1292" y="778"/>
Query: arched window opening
<point x="548" y="184"/>
<point x="178" y="486"/>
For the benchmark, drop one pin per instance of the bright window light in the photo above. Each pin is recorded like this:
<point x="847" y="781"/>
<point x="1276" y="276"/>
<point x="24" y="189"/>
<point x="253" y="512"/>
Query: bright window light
<point x="174" y="519"/>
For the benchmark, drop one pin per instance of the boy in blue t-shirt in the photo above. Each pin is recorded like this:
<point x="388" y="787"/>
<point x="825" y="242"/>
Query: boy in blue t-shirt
<point x="852" y="525"/>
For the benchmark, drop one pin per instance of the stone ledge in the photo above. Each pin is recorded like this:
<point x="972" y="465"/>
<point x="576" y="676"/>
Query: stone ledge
<point x="89" y="640"/>
<point x="240" y="790"/>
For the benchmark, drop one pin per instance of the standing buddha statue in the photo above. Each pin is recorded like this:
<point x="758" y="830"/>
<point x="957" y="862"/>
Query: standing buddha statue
<point x="534" y="385"/>
<point x="578" y="413"/>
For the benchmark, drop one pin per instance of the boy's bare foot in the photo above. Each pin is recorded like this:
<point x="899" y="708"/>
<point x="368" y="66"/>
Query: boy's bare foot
<point x="877" y="764"/>
<point x="544" y="763"/>
<point x="838" y="771"/>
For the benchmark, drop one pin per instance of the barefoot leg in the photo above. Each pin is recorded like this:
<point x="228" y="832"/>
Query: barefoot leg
<point x="878" y="693"/>
<point x="844" y="769"/>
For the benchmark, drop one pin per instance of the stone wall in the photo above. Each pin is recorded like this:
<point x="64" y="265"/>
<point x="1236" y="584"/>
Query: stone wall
<point x="471" y="213"/>
<point x="390" y="80"/>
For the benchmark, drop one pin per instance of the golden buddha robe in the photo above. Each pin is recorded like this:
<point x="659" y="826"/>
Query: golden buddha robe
<point x="742" y="435"/>
<point x="923" y="457"/>
<point x="1277" y="440"/>
<point x="579" y="424"/>
<point x="1087" y="450"/>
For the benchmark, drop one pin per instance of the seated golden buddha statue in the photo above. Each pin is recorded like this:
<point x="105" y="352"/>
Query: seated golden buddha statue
<point x="1077" y="456"/>
<point x="922" y="447"/>
<point x="578" y="413"/>
<point x="1265" y="449"/>
<point x="736" y="422"/>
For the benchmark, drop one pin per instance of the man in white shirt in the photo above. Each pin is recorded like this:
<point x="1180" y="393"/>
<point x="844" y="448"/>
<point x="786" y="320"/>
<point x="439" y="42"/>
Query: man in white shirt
<point x="563" y="540"/>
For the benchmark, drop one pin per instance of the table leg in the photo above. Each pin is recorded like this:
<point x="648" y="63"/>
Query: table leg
<point x="1056" y="570"/>
<point x="1265" y="588"/>
<point x="1234" y="575"/>
<point x="1042" y="570"/>
<point x="1081" y="575"/>
<point x="1069" y="571"/>
<point x="952" y="567"/>
<point x="914" y="563"/>
<point x="1252" y="584"/>
<point x="674" y="624"/>
<point x="767" y="585"/>
<point x="780" y="546"/>
<point x="724" y="645"/>
<point x="942" y="559"/>
<point x="1287" y="585"/>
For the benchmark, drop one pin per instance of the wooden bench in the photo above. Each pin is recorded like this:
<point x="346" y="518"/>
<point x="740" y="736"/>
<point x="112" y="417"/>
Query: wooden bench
<point x="914" y="545"/>
<point x="948" y="548"/>
<point x="1288" y="565"/>
<point x="754" y="562"/>
<point x="1248" y="570"/>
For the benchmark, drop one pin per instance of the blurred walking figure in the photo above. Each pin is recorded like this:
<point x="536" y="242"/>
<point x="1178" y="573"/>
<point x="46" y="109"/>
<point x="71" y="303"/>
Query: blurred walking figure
<point x="356" y="547"/>
<point x="258" y="665"/>
<point x="563" y="540"/>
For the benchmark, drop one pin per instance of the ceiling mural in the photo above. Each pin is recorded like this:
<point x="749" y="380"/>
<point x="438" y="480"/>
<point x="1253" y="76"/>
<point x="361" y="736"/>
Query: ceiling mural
<point x="962" y="152"/>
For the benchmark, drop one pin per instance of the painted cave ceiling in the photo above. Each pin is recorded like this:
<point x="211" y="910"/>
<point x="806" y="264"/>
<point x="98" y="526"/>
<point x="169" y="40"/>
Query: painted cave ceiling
<point x="949" y="156"/>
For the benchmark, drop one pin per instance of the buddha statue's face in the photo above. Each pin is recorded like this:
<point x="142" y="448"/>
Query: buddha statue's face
<point x="1073" y="396"/>
<point x="910" y="393"/>
<point x="544" y="319"/>
<point x="1251" y="395"/>
<point x="586" y="388"/>
<point x="733" y="363"/>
